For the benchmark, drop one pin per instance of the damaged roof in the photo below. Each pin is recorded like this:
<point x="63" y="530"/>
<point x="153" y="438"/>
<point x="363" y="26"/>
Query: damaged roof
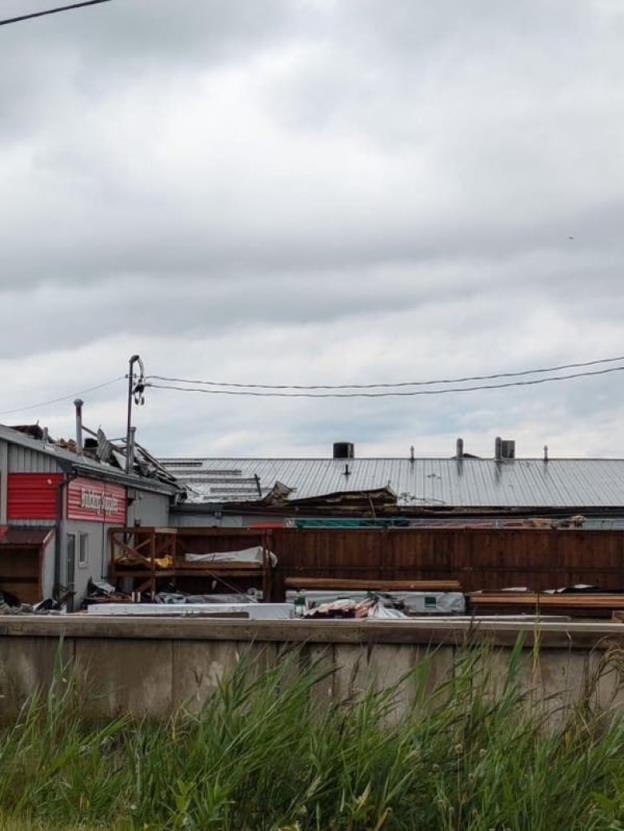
<point x="147" y="472"/>
<point x="468" y="482"/>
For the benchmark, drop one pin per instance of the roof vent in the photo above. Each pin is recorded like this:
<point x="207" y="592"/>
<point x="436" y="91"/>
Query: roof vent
<point x="459" y="449"/>
<point x="344" y="450"/>
<point x="504" y="449"/>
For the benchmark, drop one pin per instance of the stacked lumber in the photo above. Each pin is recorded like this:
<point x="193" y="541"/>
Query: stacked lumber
<point x="574" y="604"/>
<point x="332" y="583"/>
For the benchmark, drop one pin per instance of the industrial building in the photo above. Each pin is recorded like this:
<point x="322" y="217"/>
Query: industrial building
<point x="75" y="511"/>
<point x="57" y="501"/>
<point x="501" y="490"/>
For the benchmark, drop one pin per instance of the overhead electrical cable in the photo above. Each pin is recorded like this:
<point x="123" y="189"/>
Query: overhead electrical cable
<point x="45" y="12"/>
<point x="445" y="391"/>
<point x="63" y="398"/>
<point x="387" y="385"/>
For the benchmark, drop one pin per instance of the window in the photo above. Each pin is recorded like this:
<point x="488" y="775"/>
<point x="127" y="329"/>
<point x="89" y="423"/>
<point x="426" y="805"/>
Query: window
<point x="83" y="551"/>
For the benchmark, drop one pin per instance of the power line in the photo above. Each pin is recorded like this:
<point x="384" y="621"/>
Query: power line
<point x="63" y="398"/>
<point x="541" y="370"/>
<point x="386" y="394"/>
<point x="51" y="11"/>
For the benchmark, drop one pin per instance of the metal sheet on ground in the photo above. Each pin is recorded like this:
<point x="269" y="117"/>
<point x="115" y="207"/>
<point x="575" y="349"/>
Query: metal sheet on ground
<point x="254" y="611"/>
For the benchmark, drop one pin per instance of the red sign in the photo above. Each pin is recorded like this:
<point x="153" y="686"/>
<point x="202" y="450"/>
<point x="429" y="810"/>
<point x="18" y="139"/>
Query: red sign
<point x="96" y="501"/>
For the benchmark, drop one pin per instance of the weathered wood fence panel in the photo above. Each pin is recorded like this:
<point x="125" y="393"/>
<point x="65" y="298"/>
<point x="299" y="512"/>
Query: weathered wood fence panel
<point x="478" y="558"/>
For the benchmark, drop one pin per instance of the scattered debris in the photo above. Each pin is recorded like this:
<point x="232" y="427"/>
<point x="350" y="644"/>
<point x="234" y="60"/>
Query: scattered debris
<point x="409" y="603"/>
<point x="178" y="598"/>
<point x="10" y="605"/>
<point x="8" y="599"/>
<point x="371" y="606"/>
<point x="101" y="591"/>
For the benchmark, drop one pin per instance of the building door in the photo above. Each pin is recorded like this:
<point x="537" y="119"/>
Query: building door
<point x="70" y="570"/>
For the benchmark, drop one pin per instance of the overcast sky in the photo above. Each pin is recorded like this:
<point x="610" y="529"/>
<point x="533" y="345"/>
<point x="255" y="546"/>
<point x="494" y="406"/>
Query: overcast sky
<point x="315" y="191"/>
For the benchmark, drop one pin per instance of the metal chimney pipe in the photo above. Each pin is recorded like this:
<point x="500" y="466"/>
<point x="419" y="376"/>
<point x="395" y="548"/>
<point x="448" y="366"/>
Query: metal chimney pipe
<point x="545" y="452"/>
<point x="459" y="449"/>
<point x="78" y="405"/>
<point x="498" y="449"/>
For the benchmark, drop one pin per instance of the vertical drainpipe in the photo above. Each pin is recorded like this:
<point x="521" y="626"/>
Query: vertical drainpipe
<point x="60" y="528"/>
<point x="130" y="450"/>
<point x="4" y="481"/>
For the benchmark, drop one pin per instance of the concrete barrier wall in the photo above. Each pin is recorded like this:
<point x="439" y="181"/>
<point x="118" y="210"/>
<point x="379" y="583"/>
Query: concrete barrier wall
<point x="151" y="667"/>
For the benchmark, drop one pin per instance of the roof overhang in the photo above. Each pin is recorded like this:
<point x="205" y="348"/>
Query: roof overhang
<point x="24" y="537"/>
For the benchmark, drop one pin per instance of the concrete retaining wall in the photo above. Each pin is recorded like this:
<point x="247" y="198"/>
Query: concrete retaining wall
<point x="151" y="667"/>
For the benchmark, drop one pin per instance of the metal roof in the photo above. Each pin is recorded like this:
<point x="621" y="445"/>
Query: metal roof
<point x="33" y="536"/>
<point x="468" y="482"/>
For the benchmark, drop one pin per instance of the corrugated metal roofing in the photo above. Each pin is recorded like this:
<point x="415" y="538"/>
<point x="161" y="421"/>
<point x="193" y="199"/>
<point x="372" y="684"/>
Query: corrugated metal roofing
<point x="469" y="483"/>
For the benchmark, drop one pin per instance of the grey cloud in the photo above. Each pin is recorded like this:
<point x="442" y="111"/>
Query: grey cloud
<point x="138" y="34"/>
<point x="201" y="305"/>
<point x="316" y="191"/>
<point x="63" y="62"/>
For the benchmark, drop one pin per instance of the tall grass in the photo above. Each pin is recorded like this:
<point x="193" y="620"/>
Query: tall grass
<point x="263" y="754"/>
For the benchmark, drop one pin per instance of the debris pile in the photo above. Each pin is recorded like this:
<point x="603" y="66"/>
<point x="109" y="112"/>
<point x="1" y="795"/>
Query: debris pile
<point x="101" y="591"/>
<point x="11" y="605"/>
<point x="409" y="603"/>
<point x="372" y="606"/>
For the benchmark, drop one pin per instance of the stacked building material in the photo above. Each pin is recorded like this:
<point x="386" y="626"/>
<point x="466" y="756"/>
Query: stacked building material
<point x="589" y="604"/>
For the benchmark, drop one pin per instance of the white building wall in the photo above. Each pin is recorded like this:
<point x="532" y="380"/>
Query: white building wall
<point x="148" y="509"/>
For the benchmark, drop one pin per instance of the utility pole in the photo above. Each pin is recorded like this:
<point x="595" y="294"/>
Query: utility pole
<point x="21" y="17"/>
<point x="135" y="392"/>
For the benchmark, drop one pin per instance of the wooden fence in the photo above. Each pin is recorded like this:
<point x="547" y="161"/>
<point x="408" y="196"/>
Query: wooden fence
<point x="478" y="558"/>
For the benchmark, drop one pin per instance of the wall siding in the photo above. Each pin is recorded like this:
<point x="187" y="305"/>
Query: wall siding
<point x="33" y="496"/>
<point x="149" y="509"/>
<point x="24" y="460"/>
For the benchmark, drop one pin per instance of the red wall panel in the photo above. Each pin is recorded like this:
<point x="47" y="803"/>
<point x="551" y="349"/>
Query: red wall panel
<point x="96" y="501"/>
<point x="33" y="495"/>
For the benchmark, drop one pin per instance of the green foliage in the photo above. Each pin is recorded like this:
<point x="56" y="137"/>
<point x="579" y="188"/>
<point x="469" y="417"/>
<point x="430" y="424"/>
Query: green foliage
<point x="265" y="754"/>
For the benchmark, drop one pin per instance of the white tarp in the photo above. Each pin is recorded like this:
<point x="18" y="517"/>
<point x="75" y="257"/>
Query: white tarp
<point x="381" y="612"/>
<point x="245" y="555"/>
